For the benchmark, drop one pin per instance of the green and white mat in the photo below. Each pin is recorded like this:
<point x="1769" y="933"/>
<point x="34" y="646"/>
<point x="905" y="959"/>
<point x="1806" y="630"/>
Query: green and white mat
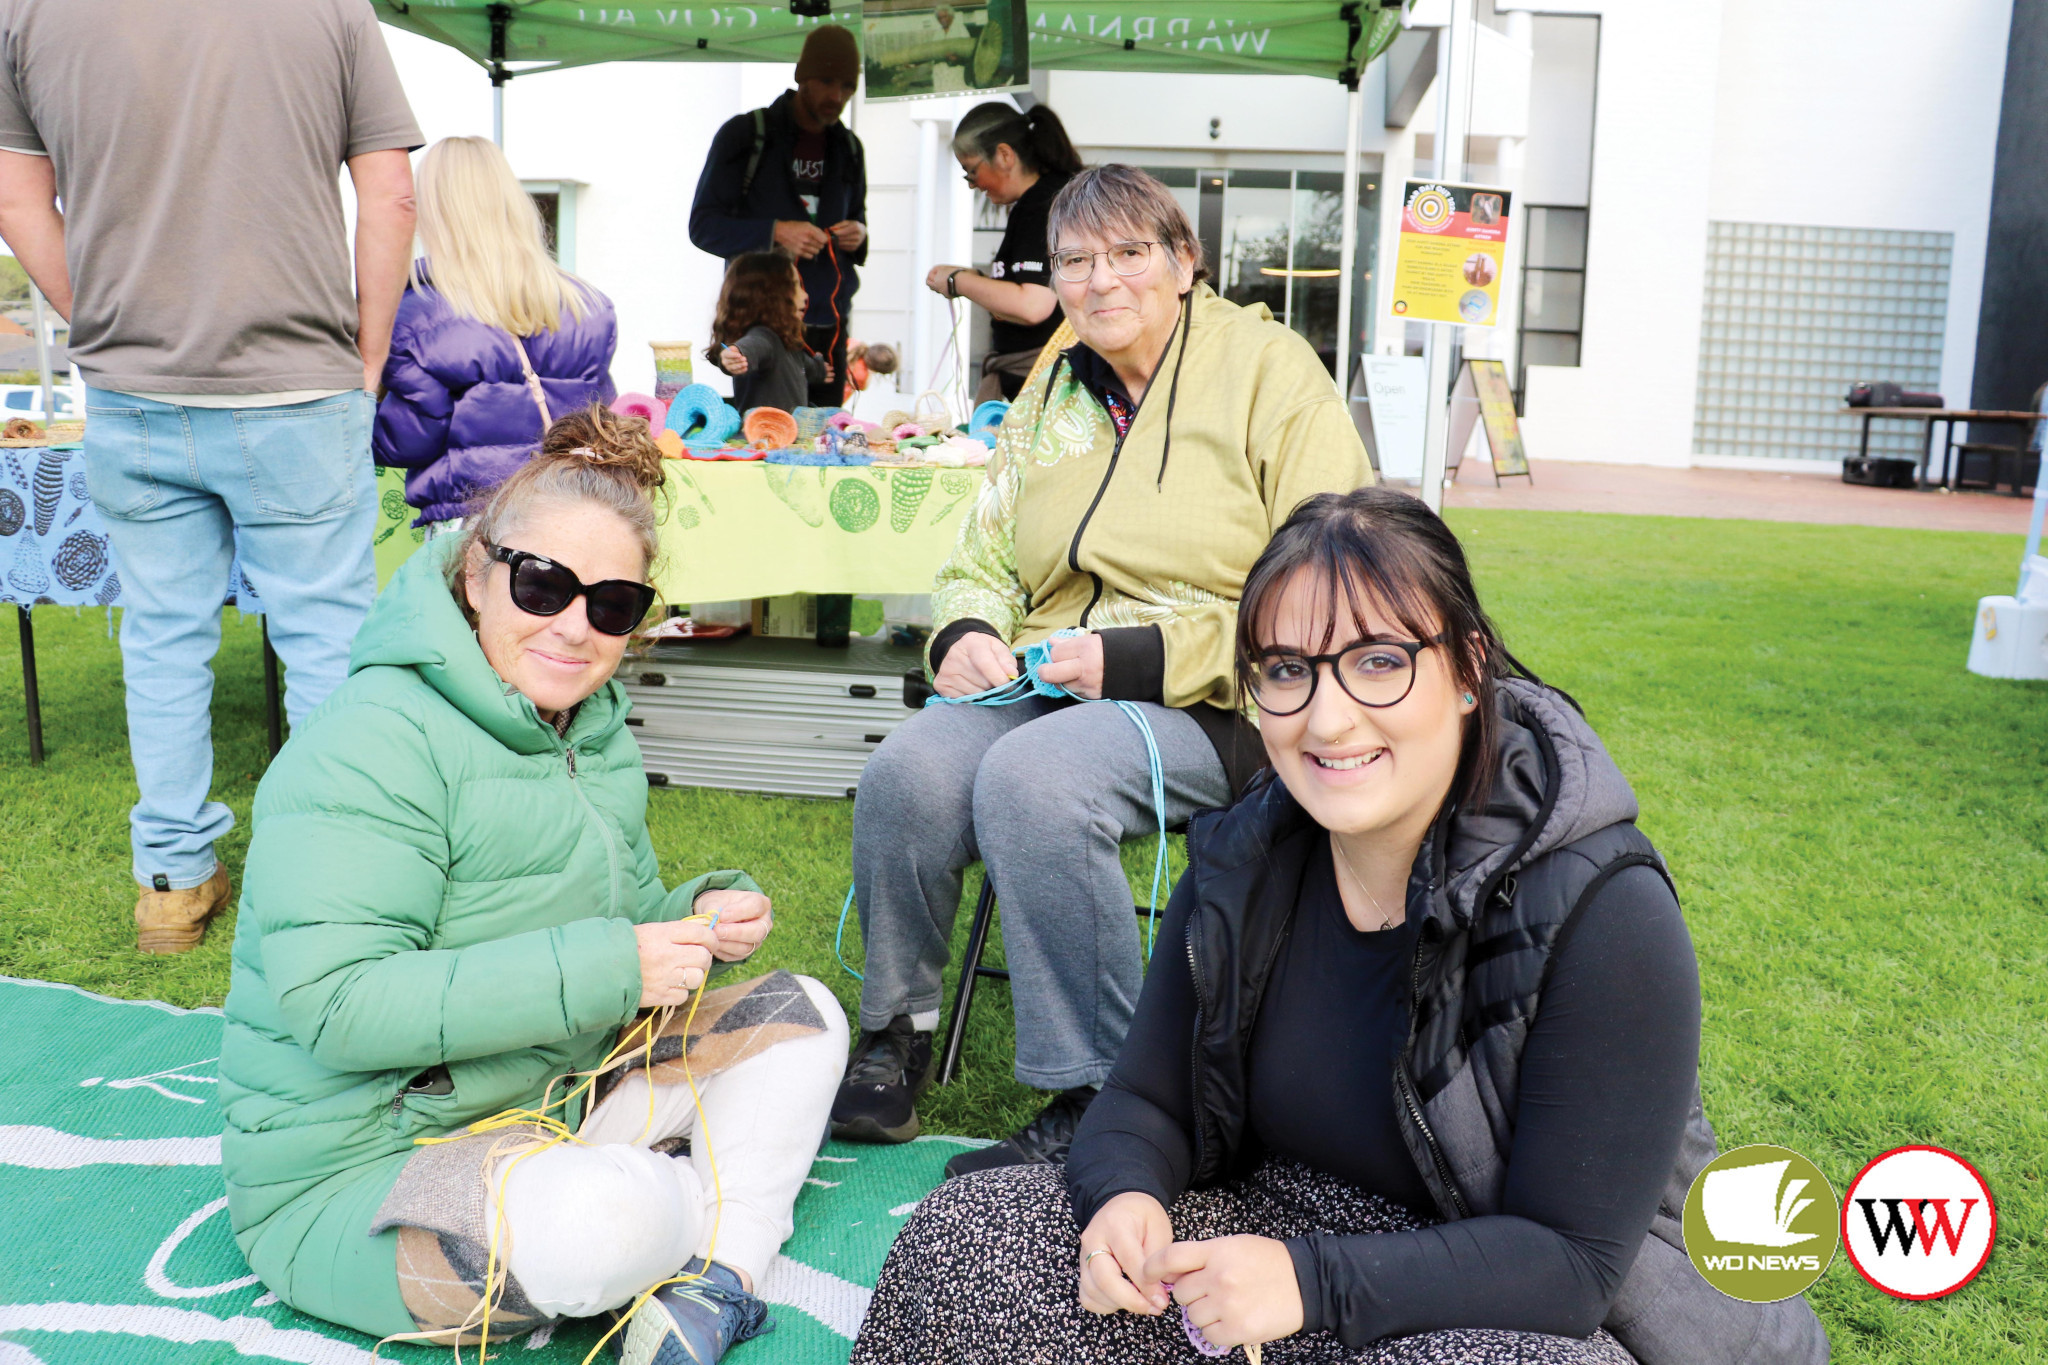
<point x="114" y="1241"/>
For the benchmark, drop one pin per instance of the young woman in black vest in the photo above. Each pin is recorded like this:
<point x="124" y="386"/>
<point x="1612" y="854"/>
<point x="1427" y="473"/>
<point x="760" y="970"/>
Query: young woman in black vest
<point x="1414" y="1077"/>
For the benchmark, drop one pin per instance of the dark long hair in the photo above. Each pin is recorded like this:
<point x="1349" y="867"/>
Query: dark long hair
<point x="1038" y="138"/>
<point x="759" y="291"/>
<point x="1383" y="550"/>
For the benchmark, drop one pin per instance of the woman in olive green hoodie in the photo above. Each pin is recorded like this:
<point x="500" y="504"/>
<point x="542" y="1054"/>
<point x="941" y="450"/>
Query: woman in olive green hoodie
<point x="451" y="903"/>
<point x="1133" y="484"/>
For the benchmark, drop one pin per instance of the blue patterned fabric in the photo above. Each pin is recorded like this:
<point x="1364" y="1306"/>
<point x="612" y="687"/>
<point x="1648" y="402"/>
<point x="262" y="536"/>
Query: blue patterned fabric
<point x="52" y="540"/>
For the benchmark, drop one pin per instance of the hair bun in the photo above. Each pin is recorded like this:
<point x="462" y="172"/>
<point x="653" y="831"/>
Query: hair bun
<point x="604" y="439"/>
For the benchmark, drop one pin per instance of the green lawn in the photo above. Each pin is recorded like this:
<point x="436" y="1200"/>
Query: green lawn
<point x="1856" y="825"/>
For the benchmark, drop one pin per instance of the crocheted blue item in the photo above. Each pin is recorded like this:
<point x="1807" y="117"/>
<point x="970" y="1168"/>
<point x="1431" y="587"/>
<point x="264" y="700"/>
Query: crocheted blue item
<point x="1029" y="684"/>
<point x="828" y="459"/>
<point x="701" y="417"/>
<point x="986" y="419"/>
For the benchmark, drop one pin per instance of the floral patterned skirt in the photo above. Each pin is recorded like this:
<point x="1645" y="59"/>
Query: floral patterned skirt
<point x="984" y="1274"/>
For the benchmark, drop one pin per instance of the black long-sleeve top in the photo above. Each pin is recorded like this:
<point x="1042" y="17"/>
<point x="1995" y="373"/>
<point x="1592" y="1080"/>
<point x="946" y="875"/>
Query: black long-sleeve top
<point x="1605" y="1086"/>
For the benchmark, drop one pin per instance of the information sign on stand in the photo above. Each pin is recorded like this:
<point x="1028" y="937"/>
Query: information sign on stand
<point x="1482" y="395"/>
<point x="1452" y="253"/>
<point x="1395" y="388"/>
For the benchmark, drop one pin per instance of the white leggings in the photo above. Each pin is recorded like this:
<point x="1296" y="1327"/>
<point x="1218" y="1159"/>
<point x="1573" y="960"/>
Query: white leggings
<point x="590" y="1227"/>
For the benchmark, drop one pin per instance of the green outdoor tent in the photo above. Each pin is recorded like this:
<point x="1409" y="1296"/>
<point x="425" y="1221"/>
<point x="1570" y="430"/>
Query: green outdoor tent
<point x="1329" y="38"/>
<point x="1333" y="39"/>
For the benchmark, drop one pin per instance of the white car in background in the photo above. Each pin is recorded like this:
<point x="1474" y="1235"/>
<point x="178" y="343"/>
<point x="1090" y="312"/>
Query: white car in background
<point x="26" y="400"/>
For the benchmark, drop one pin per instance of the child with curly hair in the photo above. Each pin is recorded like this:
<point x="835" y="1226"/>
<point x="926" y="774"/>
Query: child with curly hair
<point x="758" y="334"/>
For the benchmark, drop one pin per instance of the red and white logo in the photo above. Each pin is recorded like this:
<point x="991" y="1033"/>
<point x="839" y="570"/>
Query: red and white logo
<point x="1918" y="1222"/>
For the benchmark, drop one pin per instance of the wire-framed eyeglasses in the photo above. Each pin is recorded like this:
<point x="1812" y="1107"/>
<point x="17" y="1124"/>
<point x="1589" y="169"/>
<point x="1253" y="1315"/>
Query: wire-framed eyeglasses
<point x="1376" y="673"/>
<point x="1126" y="258"/>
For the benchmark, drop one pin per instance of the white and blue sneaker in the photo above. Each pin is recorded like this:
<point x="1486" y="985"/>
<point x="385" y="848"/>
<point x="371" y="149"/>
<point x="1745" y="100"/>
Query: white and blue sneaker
<point x="692" y="1323"/>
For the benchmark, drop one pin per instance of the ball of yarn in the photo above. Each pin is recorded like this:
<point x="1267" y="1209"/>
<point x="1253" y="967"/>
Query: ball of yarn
<point x="771" y="428"/>
<point x="701" y="417"/>
<point x="640" y="405"/>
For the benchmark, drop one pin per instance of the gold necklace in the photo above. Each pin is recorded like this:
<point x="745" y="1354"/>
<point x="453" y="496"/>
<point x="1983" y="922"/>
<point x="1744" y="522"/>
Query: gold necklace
<point x="1386" y="920"/>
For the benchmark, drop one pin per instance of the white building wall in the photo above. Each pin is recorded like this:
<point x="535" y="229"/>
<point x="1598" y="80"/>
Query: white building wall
<point x="1867" y="114"/>
<point x="1630" y="400"/>
<point x="1842" y="113"/>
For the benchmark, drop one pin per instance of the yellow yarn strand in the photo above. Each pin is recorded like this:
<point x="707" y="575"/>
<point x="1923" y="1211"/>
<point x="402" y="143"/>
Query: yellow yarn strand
<point x="651" y="1025"/>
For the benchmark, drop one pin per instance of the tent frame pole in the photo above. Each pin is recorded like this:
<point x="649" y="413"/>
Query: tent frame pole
<point x="501" y="19"/>
<point x="1454" y="107"/>
<point x="1347" y="254"/>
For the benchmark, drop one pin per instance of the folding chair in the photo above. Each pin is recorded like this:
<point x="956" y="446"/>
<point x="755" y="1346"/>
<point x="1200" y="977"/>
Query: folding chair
<point x="971" y="970"/>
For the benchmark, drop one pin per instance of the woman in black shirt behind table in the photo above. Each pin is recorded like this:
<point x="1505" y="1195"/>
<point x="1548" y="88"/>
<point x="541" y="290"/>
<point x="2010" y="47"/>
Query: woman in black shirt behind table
<point x="1021" y="160"/>
<point x="1414" y="1077"/>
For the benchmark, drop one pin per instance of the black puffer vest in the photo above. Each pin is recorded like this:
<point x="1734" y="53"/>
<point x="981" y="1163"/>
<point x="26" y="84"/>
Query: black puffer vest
<point x="1492" y="893"/>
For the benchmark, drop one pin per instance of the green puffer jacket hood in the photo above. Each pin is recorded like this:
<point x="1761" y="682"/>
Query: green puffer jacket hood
<point x="436" y="920"/>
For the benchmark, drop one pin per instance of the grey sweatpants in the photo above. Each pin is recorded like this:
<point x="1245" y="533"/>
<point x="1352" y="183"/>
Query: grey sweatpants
<point x="1043" y="792"/>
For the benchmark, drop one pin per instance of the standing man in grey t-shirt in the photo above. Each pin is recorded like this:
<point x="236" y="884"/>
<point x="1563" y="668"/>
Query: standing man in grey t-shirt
<point x="202" y="258"/>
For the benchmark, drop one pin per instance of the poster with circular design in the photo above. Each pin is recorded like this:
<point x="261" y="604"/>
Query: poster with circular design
<point x="1452" y="254"/>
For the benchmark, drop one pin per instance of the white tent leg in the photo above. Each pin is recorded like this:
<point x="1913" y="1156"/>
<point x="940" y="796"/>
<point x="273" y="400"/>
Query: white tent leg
<point x="498" y="116"/>
<point x="1347" y="253"/>
<point x="1454" y="107"/>
<point x="925" y="333"/>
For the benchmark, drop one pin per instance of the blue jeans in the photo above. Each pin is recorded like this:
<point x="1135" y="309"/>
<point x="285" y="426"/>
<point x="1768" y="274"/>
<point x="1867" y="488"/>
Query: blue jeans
<point x="181" y="489"/>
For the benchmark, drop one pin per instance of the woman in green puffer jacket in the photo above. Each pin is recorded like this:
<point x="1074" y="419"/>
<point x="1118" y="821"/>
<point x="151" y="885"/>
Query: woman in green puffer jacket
<point x="451" y="908"/>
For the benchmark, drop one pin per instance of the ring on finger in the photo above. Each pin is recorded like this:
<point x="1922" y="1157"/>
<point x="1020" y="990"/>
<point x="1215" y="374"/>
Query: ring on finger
<point x="1099" y="1251"/>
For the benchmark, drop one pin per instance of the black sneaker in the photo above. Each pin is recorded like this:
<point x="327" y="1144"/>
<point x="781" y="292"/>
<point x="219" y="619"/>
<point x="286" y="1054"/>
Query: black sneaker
<point x="1043" y="1140"/>
<point x="889" y="1069"/>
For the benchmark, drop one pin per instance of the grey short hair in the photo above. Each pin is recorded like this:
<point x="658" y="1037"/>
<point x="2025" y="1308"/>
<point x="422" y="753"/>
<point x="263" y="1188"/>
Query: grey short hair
<point x="1122" y="203"/>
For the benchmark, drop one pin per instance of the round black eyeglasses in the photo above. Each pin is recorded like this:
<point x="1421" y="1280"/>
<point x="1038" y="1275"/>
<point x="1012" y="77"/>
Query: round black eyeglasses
<point x="541" y="587"/>
<point x="1376" y="673"/>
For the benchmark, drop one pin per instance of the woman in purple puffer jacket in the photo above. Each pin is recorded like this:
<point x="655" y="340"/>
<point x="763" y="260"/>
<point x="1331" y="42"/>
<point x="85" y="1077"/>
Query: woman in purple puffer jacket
<point x="493" y="339"/>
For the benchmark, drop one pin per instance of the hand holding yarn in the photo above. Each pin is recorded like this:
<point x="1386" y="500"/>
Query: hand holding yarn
<point x="1125" y="1232"/>
<point x="1077" y="666"/>
<point x="740" y="919"/>
<point x="733" y="360"/>
<point x="675" y="957"/>
<point x="975" y="663"/>
<point x="1234" y="1291"/>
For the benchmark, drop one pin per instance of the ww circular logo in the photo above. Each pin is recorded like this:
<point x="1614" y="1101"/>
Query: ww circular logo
<point x="1761" y="1223"/>
<point x="1919" y="1222"/>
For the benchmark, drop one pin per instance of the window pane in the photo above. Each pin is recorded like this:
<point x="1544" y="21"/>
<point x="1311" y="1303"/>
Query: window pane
<point x="1549" y="348"/>
<point x="1253" y="253"/>
<point x="1552" y="299"/>
<point x="1318" y="241"/>
<point x="1557" y="238"/>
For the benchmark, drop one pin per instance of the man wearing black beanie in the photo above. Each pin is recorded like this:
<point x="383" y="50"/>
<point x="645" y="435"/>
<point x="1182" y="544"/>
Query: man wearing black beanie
<point x="793" y="176"/>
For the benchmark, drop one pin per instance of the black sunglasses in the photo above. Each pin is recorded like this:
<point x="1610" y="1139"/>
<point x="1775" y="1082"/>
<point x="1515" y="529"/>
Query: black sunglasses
<point x="541" y="587"/>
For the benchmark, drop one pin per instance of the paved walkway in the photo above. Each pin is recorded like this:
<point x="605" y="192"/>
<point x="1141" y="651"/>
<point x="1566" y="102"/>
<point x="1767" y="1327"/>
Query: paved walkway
<point x="1560" y="486"/>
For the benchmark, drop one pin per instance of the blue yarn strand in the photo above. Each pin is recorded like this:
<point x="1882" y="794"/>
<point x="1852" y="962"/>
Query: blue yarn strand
<point x="840" y="937"/>
<point x="1029" y="684"/>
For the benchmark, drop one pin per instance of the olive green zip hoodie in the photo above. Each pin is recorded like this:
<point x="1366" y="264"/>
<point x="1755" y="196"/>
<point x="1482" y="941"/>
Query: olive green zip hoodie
<point x="435" y="878"/>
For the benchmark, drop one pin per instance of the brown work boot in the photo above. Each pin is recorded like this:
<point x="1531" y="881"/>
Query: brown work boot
<point x="175" y="921"/>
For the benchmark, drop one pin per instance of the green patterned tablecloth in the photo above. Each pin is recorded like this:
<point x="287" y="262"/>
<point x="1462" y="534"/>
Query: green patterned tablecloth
<point x="734" y="529"/>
